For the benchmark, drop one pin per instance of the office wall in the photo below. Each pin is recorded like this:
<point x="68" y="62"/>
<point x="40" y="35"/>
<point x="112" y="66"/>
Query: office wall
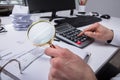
<point x="111" y="7"/>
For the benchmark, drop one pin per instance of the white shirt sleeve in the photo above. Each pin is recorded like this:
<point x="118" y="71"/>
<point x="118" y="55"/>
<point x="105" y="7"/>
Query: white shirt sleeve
<point x="116" y="38"/>
<point x="116" y="77"/>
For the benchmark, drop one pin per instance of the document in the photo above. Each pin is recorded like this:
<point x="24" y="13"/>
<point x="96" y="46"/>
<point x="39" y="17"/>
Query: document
<point x="34" y="63"/>
<point x="75" y="50"/>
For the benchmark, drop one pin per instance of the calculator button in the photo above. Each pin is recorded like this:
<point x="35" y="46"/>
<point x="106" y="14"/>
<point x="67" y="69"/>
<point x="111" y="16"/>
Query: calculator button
<point x="75" y="40"/>
<point x="78" y="42"/>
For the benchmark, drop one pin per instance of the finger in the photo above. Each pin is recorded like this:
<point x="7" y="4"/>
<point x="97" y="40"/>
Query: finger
<point x="92" y="27"/>
<point x="49" y="76"/>
<point x="54" y="52"/>
<point x="91" y="34"/>
<point x="81" y="33"/>
<point x="52" y="46"/>
<point x="56" y="74"/>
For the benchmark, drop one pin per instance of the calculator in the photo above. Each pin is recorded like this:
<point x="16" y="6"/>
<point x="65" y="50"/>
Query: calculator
<point x="68" y="34"/>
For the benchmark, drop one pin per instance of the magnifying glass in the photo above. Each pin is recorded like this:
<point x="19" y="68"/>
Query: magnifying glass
<point x="41" y="33"/>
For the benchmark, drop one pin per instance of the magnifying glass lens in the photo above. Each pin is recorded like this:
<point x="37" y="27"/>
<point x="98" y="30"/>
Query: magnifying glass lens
<point x="41" y="33"/>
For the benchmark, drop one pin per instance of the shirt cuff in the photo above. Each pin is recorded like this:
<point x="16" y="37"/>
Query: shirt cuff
<point x="116" y="38"/>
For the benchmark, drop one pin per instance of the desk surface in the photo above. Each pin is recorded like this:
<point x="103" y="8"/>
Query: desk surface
<point x="100" y="51"/>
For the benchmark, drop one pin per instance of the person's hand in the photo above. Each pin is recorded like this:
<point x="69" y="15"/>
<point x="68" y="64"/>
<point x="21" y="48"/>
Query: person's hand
<point x="99" y="32"/>
<point x="65" y="65"/>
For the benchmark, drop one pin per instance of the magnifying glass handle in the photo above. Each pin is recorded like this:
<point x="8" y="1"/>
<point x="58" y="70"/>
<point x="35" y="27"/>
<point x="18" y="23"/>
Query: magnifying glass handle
<point x="52" y="46"/>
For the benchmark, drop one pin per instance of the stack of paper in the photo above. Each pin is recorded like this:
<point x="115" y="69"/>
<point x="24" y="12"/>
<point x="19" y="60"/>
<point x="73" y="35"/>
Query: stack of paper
<point x="21" y="21"/>
<point x="21" y="17"/>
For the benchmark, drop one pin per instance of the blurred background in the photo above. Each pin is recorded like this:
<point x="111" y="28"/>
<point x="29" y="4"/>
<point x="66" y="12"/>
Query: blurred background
<point x="111" y="7"/>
